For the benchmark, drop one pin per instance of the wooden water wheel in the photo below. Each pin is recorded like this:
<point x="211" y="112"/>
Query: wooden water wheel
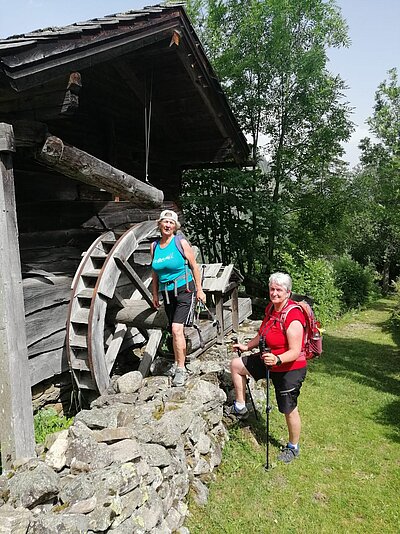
<point x="103" y="280"/>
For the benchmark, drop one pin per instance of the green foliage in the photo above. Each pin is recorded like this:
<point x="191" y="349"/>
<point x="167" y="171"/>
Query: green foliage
<point x="356" y="283"/>
<point x="395" y="315"/>
<point x="375" y="221"/>
<point x="47" y="421"/>
<point x="280" y="92"/>
<point x="314" y="278"/>
<point x="227" y="214"/>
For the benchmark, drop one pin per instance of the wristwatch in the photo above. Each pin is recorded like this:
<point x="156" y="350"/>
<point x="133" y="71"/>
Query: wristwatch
<point x="278" y="360"/>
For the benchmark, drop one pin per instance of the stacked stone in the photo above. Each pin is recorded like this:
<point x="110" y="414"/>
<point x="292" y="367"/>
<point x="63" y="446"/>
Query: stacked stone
<point x="127" y="465"/>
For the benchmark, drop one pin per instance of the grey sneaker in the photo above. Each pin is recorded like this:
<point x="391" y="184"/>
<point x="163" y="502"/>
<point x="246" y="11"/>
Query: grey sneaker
<point x="288" y="454"/>
<point x="171" y="371"/>
<point x="180" y="377"/>
<point x="240" y="413"/>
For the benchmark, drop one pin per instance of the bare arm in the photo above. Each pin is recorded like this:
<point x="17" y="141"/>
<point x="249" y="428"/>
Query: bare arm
<point x="154" y="285"/>
<point x="187" y="249"/>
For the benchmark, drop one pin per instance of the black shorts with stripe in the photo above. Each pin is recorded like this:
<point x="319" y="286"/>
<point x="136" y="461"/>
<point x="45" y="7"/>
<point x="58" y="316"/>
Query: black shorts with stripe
<point x="287" y="385"/>
<point x="181" y="306"/>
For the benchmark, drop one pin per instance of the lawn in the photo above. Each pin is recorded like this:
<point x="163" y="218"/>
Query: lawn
<point x="347" y="477"/>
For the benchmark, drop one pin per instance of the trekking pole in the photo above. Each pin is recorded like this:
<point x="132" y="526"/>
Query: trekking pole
<point x="263" y="348"/>
<point x="235" y="340"/>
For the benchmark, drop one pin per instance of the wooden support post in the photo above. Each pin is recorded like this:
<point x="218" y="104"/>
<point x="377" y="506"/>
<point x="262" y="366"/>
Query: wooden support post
<point x="16" y="417"/>
<point x="235" y="309"/>
<point x="150" y="351"/>
<point x="219" y="312"/>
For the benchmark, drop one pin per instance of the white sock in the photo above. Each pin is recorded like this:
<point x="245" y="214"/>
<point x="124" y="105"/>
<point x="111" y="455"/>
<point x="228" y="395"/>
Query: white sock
<point x="240" y="405"/>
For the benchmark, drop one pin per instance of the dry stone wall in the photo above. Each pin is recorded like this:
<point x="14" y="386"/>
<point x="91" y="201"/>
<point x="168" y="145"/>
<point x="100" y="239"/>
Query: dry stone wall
<point x="128" y="463"/>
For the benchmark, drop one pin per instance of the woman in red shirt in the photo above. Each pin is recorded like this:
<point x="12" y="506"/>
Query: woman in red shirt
<point x="284" y="356"/>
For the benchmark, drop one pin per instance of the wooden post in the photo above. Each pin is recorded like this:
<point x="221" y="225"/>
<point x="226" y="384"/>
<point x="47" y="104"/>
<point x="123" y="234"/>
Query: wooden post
<point x="16" y="417"/>
<point x="235" y="309"/>
<point x="219" y="312"/>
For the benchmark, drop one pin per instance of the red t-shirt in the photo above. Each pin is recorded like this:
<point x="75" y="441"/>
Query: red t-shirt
<point x="275" y="336"/>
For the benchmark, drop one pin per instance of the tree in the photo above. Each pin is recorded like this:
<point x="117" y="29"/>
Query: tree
<point x="271" y="58"/>
<point x="376" y="229"/>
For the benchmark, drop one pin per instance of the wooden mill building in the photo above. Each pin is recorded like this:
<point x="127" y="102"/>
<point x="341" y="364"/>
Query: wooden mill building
<point x="97" y="122"/>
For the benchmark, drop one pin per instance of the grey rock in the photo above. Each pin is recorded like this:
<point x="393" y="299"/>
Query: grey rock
<point x="56" y="455"/>
<point x="129" y="382"/>
<point x="111" y="400"/>
<point x="196" y="428"/>
<point x="167" y="431"/>
<point x="124" y="451"/>
<point x="59" y="524"/>
<point x="14" y="520"/>
<point x="199" y="492"/>
<point x="102" y="517"/>
<point x="32" y="487"/>
<point x="100" y="418"/>
<point x="204" y="444"/>
<point x="155" y="454"/>
<point x="79" y="430"/>
<point x="129" y="503"/>
<point x="88" y="451"/>
<point x="110" y="435"/>
<point x="82" y="507"/>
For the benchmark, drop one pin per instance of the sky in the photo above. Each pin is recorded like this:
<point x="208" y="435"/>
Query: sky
<point x="374" y="30"/>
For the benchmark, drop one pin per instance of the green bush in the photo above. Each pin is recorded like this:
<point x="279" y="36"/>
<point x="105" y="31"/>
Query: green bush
<point x="47" y="421"/>
<point x="356" y="283"/>
<point x="395" y="315"/>
<point x="315" y="278"/>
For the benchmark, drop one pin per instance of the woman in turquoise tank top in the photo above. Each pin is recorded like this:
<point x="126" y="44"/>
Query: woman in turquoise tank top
<point x="179" y="286"/>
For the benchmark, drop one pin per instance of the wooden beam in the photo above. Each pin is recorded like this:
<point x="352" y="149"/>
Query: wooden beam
<point x="80" y="165"/>
<point x="16" y="417"/>
<point x="135" y="279"/>
<point x="150" y="351"/>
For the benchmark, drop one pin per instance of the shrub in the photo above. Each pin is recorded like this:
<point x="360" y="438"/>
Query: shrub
<point x="395" y="315"/>
<point x="47" y="421"/>
<point x="356" y="283"/>
<point x="315" y="278"/>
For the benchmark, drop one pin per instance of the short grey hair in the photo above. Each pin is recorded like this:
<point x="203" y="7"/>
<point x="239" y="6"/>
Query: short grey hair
<point x="281" y="279"/>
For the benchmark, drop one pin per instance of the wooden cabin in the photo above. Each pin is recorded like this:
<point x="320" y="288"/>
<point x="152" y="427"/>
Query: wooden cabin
<point x="97" y="122"/>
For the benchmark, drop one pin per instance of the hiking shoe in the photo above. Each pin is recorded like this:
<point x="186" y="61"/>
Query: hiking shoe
<point x="180" y="377"/>
<point x="171" y="371"/>
<point x="288" y="454"/>
<point x="240" y="413"/>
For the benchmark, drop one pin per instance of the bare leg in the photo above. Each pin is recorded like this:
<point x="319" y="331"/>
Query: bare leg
<point x="179" y="344"/>
<point x="239" y="373"/>
<point x="293" y="422"/>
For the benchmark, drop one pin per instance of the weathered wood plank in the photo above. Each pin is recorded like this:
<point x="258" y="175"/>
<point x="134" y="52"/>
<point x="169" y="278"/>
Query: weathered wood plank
<point x="150" y="351"/>
<point x="80" y="165"/>
<point x="16" y="418"/>
<point x="53" y="342"/>
<point x="42" y="292"/>
<point x="209" y="333"/>
<point x="138" y="313"/>
<point x="135" y="279"/>
<point x="47" y="365"/>
<point x="45" y="322"/>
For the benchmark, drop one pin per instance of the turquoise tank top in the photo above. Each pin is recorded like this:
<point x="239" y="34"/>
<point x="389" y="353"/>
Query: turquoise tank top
<point x="169" y="265"/>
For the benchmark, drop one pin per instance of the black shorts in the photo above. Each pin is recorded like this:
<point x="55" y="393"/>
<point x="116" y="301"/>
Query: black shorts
<point x="181" y="306"/>
<point x="287" y="385"/>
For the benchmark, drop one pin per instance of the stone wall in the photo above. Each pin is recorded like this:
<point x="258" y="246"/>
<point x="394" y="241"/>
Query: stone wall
<point x="127" y="465"/>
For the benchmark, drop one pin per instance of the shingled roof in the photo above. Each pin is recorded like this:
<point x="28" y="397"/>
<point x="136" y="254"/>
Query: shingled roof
<point x="118" y="57"/>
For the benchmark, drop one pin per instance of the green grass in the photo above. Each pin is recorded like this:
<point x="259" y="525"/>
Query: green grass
<point x="347" y="478"/>
<point x="47" y="421"/>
